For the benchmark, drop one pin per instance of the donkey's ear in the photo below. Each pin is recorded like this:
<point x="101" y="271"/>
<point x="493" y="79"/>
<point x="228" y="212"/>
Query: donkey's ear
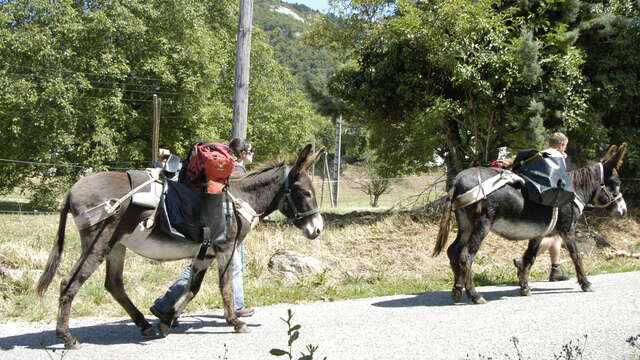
<point x="609" y="154"/>
<point x="619" y="156"/>
<point x="314" y="158"/>
<point x="302" y="157"/>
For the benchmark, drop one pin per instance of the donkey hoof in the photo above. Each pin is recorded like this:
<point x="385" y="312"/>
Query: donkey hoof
<point x="73" y="345"/>
<point x="241" y="328"/>
<point x="163" y="329"/>
<point x="587" y="288"/>
<point x="149" y="331"/>
<point x="525" y="292"/>
<point x="456" y="295"/>
<point x="479" y="300"/>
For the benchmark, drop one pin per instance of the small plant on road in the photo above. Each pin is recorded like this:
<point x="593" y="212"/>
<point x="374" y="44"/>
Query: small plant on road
<point x="293" y="336"/>
<point x="572" y="350"/>
<point x="634" y="341"/>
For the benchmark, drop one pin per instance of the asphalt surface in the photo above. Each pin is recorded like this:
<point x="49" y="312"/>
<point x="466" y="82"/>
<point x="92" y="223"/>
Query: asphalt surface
<point x="416" y="326"/>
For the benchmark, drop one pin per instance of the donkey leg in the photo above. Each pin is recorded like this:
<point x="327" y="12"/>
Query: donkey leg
<point x="481" y="227"/>
<point x="226" y="290"/>
<point x="528" y="259"/>
<point x="453" y="252"/>
<point x="89" y="261"/>
<point x="115" y="285"/>
<point x="198" y="270"/>
<point x="572" y="247"/>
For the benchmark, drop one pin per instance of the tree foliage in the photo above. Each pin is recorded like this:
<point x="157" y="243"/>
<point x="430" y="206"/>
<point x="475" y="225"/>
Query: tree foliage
<point x="77" y="80"/>
<point x="609" y="35"/>
<point x="286" y="34"/>
<point x="456" y="79"/>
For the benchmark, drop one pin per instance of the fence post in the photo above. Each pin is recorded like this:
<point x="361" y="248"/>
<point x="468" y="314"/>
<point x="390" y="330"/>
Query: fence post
<point x="336" y="191"/>
<point x="326" y="170"/>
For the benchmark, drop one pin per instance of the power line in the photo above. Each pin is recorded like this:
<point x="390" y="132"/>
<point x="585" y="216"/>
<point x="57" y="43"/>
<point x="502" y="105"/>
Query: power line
<point x="33" y="212"/>
<point x="151" y="91"/>
<point x="79" y="72"/>
<point x="74" y="165"/>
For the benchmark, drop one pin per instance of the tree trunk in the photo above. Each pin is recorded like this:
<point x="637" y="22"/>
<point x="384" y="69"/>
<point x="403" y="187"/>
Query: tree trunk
<point x="376" y="197"/>
<point x="454" y="157"/>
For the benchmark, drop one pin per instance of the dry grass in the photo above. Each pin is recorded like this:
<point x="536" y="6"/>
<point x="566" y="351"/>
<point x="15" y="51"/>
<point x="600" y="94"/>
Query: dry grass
<point x="368" y="255"/>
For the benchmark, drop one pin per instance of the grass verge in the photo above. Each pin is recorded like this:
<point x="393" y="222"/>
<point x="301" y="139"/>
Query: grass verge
<point x="367" y="255"/>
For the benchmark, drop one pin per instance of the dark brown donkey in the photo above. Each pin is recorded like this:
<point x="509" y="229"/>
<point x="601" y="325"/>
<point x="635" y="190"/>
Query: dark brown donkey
<point x="283" y="186"/>
<point x="507" y="213"/>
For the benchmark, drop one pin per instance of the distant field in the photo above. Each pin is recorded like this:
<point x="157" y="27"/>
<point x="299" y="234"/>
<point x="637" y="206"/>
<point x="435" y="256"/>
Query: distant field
<point x="411" y="191"/>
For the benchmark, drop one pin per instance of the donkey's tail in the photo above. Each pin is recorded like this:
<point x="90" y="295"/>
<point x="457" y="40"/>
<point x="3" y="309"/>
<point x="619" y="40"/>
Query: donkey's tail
<point x="56" y="252"/>
<point x="445" y="225"/>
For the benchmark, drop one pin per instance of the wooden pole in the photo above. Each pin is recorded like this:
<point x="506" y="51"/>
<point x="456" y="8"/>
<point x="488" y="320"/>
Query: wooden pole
<point x="322" y="187"/>
<point x="243" y="55"/>
<point x="336" y="191"/>
<point x="155" y="132"/>
<point x="326" y="169"/>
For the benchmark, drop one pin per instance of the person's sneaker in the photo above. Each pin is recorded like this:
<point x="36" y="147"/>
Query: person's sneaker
<point x="558" y="274"/>
<point x="164" y="317"/>
<point x="245" y="312"/>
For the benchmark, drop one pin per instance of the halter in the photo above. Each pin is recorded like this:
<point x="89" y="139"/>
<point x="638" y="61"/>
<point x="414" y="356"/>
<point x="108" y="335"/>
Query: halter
<point x="287" y="195"/>
<point x="610" y="197"/>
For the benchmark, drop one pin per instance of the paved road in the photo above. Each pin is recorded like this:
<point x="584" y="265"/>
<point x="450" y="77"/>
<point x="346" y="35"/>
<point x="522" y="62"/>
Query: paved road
<point x="417" y="326"/>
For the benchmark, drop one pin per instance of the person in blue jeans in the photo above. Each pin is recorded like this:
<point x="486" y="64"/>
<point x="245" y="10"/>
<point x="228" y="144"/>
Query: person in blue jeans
<point x="243" y="154"/>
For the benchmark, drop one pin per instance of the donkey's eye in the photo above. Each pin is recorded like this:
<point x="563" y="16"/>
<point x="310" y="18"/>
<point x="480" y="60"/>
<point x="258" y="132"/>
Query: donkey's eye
<point x="306" y="193"/>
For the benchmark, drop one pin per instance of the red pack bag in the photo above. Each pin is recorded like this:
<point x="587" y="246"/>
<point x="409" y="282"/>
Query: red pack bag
<point x="209" y="168"/>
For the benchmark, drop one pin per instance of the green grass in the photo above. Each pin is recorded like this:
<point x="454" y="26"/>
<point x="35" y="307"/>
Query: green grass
<point x="308" y="289"/>
<point x="368" y="256"/>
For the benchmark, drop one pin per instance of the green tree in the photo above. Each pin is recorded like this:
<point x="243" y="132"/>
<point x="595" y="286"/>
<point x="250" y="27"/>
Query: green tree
<point x="608" y="35"/>
<point x="456" y="79"/>
<point x="77" y="80"/>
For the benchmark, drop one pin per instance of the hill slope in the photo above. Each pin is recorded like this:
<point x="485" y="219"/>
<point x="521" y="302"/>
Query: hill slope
<point x="284" y="23"/>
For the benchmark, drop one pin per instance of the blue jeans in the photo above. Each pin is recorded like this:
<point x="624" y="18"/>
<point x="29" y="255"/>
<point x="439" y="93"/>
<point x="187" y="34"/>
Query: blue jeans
<point x="166" y="302"/>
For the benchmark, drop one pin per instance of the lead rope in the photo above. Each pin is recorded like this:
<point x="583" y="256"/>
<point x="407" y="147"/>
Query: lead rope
<point x="237" y="237"/>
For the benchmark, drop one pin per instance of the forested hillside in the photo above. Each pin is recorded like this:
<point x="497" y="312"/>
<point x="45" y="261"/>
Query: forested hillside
<point x="284" y="24"/>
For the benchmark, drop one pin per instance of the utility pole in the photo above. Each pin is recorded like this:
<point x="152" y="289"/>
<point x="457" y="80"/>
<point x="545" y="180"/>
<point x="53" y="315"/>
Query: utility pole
<point x="243" y="54"/>
<point x="336" y="159"/>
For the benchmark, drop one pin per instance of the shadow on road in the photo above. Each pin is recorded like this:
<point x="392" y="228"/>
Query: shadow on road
<point x="116" y="332"/>
<point x="443" y="298"/>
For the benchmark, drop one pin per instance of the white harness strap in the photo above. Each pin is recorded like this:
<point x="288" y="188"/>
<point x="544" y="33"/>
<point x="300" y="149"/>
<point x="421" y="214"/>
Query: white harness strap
<point x="481" y="191"/>
<point x="554" y="220"/>
<point x="105" y="210"/>
<point x="578" y="203"/>
<point x="245" y="210"/>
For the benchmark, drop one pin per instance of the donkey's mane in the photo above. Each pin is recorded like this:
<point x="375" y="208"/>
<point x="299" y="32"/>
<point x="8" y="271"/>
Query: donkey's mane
<point x="585" y="177"/>
<point x="267" y="166"/>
